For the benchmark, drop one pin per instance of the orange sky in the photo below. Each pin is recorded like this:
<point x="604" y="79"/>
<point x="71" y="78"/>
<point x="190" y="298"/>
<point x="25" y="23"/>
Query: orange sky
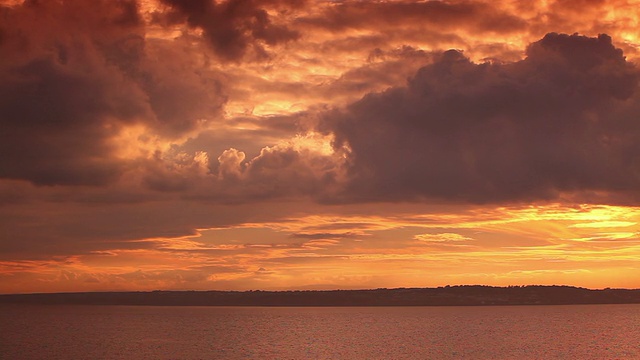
<point x="291" y="144"/>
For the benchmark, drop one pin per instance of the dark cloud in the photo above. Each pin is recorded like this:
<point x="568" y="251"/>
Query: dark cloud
<point x="73" y="74"/>
<point x="437" y="14"/>
<point x="42" y="229"/>
<point x="57" y="91"/>
<point x="382" y="70"/>
<point x="560" y="120"/>
<point x="325" y="235"/>
<point x="182" y="93"/>
<point x="233" y="27"/>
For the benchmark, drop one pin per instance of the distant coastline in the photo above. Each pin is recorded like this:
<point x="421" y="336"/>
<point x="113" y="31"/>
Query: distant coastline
<point x="462" y="295"/>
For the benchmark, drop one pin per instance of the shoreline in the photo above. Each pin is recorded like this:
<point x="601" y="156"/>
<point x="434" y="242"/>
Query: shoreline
<point x="461" y="295"/>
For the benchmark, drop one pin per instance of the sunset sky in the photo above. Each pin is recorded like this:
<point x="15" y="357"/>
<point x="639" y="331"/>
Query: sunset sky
<point x="292" y="144"/>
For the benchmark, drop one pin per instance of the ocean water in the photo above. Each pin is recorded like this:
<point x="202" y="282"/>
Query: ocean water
<point x="146" y="332"/>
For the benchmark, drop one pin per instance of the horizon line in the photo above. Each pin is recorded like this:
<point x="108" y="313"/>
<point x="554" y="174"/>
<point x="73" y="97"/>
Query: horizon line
<point x="320" y="290"/>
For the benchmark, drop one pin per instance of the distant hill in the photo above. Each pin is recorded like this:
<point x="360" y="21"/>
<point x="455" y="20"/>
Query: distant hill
<point x="466" y="295"/>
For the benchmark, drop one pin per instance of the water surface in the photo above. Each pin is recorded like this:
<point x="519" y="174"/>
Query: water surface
<point x="150" y="332"/>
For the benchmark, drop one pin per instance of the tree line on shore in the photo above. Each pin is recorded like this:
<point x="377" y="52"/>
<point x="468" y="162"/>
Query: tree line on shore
<point x="462" y="295"/>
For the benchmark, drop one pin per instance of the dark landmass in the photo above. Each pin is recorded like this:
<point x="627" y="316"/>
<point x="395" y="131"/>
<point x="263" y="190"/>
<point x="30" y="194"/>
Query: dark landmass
<point x="467" y="295"/>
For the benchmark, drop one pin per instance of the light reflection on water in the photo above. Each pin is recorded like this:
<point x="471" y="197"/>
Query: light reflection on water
<point x="145" y="332"/>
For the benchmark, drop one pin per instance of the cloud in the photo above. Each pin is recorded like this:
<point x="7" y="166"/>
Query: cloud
<point x="441" y="237"/>
<point x="299" y="168"/>
<point x="75" y="75"/>
<point x="184" y="94"/>
<point x="437" y="14"/>
<point x="559" y="121"/>
<point x="57" y="91"/>
<point x="326" y="235"/>
<point x="235" y="27"/>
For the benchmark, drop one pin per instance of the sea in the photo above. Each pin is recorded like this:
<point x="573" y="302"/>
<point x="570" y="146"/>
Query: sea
<point x="190" y="332"/>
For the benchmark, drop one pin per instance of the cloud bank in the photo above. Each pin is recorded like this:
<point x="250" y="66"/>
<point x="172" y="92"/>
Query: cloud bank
<point x="561" y="120"/>
<point x="75" y="75"/>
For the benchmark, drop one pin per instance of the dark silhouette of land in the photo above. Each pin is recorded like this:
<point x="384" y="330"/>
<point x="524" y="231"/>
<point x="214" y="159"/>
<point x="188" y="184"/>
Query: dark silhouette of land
<point x="467" y="295"/>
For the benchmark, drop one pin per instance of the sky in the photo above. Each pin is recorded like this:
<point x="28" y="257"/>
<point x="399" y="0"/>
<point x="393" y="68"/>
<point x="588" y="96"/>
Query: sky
<point x="298" y="144"/>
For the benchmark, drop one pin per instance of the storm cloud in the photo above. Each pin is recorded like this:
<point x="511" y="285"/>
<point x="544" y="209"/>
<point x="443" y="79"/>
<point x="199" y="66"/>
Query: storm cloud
<point x="74" y="74"/>
<point x="558" y="121"/>
<point x="233" y="28"/>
